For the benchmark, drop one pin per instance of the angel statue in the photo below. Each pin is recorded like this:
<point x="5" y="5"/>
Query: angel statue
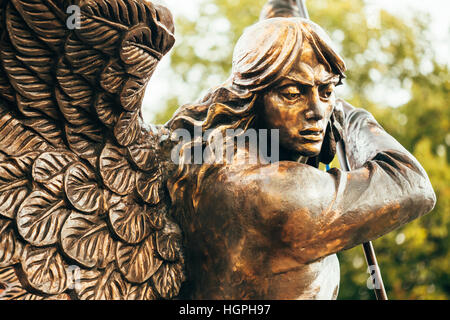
<point x="94" y="204"/>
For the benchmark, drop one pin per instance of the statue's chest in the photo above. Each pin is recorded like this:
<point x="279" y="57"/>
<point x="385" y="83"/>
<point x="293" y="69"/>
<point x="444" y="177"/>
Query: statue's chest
<point x="326" y="275"/>
<point x="315" y="281"/>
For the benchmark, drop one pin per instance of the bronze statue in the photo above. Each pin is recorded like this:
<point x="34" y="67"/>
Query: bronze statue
<point x="93" y="205"/>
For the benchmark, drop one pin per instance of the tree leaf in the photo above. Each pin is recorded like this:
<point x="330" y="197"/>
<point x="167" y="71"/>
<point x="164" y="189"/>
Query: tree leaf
<point x="105" y="284"/>
<point x="8" y="276"/>
<point x="18" y="293"/>
<point x="86" y="239"/>
<point x="138" y="262"/>
<point x="167" y="280"/>
<point x="82" y="189"/>
<point x="91" y="130"/>
<point x="33" y="94"/>
<point x="168" y="246"/>
<point x="116" y="171"/>
<point x="62" y="296"/>
<point x="104" y="22"/>
<point x="44" y="269"/>
<point x="41" y="217"/>
<point x="26" y="160"/>
<point x="130" y="221"/>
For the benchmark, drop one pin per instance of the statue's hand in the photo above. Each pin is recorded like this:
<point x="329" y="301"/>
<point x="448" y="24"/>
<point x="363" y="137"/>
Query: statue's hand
<point x="280" y="8"/>
<point x="283" y="2"/>
<point x="289" y="2"/>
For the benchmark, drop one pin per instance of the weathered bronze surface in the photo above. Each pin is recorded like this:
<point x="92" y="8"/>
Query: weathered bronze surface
<point x="92" y="205"/>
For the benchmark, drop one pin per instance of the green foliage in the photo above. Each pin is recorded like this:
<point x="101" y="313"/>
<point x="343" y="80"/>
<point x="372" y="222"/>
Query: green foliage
<point x="385" y="54"/>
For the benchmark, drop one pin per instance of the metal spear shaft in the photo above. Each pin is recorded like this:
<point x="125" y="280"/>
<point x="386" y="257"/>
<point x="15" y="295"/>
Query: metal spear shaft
<point x="368" y="249"/>
<point x="302" y="8"/>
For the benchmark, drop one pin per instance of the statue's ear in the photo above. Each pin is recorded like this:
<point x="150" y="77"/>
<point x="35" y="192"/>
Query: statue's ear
<point x="333" y="135"/>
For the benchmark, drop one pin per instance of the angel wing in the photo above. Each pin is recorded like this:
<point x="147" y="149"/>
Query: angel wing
<point x="83" y="208"/>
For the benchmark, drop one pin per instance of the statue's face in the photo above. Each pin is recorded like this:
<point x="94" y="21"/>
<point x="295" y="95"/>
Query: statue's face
<point x="300" y="104"/>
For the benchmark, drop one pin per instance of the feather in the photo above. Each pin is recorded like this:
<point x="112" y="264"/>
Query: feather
<point x="80" y="176"/>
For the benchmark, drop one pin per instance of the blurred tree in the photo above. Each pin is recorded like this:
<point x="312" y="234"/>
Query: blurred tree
<point x="388" y="59"/>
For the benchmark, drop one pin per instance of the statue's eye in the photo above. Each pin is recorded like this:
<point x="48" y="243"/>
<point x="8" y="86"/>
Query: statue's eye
<point x="291" y="93"/>
<point x="326" y="90"/>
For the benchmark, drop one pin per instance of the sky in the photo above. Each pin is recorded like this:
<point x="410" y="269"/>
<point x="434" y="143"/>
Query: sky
<point x="164" y="80"/>
<point x="439" y="11"/>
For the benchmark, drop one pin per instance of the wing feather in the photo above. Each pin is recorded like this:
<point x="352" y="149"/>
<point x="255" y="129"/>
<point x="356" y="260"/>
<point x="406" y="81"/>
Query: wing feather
<point x="16" y="140"/>
<point x="10" y="246"/>
<point x="45" y="269"/>
<point x="46" y="19"/>
<point x="14" y="183"/>
<point x="32" y="52"/>
<point x="83" y="206"/>
<point x="84" y="60"/>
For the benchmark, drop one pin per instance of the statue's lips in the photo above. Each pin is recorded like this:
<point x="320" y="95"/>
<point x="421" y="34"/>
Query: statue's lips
<point x="312" y="134"/>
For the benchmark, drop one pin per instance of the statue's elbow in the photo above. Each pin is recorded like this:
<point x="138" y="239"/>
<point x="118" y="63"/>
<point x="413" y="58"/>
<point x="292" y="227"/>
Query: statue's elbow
<point x="425" y="197"/>
<point x="429" y="199"/>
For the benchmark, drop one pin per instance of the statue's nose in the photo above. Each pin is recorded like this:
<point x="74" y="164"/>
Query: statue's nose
<point x="315" y="110"/>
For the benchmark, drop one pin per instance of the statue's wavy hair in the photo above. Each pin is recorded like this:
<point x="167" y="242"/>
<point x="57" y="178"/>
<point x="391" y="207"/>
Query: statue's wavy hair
<point x="265" y="52"/>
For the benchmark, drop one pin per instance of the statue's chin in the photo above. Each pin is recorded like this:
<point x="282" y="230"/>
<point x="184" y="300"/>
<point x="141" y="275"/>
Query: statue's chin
<point x="298" y="153"/>
<point x="307" y="149"/>
<point x="309" y="154"/>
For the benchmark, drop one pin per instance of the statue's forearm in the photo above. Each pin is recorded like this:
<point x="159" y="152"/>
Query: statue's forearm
<point x="364" y="138"/>
<point x="386" y="188"/>
<point x="397" y="187"/>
